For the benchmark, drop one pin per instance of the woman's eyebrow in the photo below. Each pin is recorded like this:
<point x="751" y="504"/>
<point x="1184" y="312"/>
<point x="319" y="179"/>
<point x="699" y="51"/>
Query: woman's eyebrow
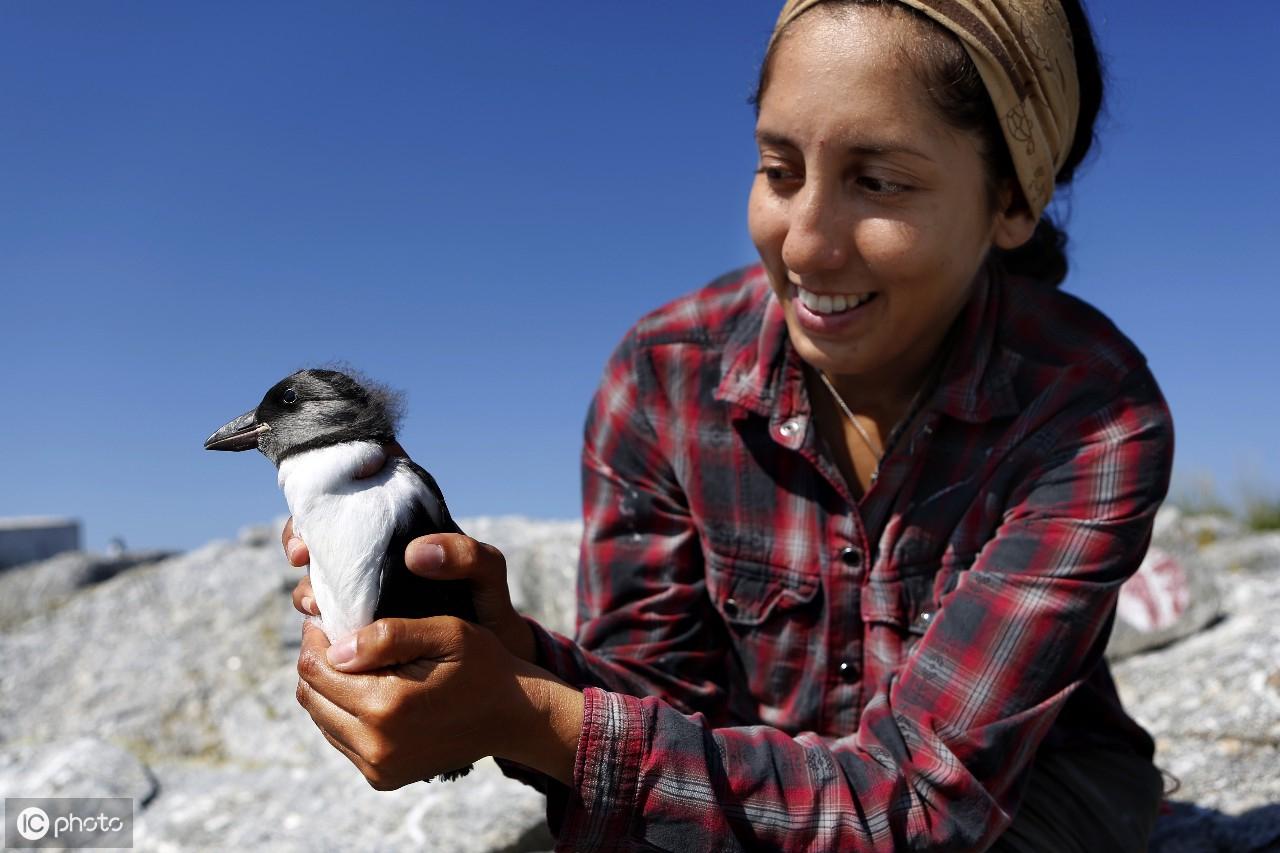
<point x="768" y="137"/>
<point x="872" y="147"/>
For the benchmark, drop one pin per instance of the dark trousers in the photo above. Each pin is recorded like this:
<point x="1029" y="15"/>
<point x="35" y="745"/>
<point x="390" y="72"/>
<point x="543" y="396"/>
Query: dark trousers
<point x="1085" y="801"/>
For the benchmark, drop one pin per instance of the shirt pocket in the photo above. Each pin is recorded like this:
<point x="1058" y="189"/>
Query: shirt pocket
<point x="770" y="613"/>
<point x="896" y="613"/>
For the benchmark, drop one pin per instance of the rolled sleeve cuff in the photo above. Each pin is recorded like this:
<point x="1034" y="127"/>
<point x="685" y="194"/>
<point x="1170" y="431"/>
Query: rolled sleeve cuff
<point x="605" y="774"/>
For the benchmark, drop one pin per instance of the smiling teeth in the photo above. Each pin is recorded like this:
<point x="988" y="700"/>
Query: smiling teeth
<point x="831" y="303"/>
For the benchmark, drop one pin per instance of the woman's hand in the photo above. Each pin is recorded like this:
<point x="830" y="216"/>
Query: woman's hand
<point x="441" y="556"/>
<point x="454" y="556"/>
<point x="408" y="699"/>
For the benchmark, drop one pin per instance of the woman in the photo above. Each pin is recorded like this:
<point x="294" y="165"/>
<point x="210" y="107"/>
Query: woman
<point x="856" y="518"/>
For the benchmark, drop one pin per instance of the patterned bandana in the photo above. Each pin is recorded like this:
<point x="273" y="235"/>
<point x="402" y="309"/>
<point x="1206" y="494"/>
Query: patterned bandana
<point x="1024" y="52"/>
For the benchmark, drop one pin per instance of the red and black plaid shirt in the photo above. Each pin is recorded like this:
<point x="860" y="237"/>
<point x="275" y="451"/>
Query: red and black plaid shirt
<point x="770" y="664"/>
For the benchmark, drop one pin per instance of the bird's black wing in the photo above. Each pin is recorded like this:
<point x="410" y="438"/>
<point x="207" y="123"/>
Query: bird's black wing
<point x="411" y="596"/>
<point x="439" y="514"/>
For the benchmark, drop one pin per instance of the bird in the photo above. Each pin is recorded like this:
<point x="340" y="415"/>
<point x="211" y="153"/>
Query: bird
<point x="355" y="505"/>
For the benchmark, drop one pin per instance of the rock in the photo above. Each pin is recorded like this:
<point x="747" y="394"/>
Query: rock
<point x="187" y="665"/>
<point x="173" y="683"/>
<point x="1174" y="593"/>
<point x="43" y="586"/>
<point x="326" y="805"/>
<point x="81" y="767"/>
<point x="1198" y="530"/>
<point x="143" y="655"/>
<point x="262" y="535"/>
<point x="1258" y="553"/>
<point x="1212" y="701"/>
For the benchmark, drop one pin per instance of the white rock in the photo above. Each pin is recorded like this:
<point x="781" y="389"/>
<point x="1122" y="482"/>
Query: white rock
<point x="80" y="767"/>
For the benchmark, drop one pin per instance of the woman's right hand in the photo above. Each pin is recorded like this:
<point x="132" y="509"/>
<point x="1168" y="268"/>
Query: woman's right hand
<point x="443" y="556"/>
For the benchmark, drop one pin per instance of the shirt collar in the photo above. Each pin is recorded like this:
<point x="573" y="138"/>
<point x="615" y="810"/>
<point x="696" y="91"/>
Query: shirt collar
<point x="762" y="372"/>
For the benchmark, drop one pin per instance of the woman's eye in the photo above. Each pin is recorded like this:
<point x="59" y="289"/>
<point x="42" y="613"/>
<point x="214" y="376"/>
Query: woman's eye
<point x="879" y="186"/>
<point x="774" y="174"/>
<point x="290" y="396"/>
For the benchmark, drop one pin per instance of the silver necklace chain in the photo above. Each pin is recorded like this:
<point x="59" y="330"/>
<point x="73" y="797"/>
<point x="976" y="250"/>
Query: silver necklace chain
<point x="878" y="454"/>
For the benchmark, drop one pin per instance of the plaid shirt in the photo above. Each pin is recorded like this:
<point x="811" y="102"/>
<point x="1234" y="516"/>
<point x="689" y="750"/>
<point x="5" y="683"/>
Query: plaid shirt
<point x="770" y="664"/>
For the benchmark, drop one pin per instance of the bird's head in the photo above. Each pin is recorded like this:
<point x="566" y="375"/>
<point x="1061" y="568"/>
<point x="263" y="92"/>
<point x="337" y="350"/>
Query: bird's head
<point x="311" y="409"/>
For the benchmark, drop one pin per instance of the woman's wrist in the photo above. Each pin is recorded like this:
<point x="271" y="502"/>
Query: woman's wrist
<point x="545" y="735"/>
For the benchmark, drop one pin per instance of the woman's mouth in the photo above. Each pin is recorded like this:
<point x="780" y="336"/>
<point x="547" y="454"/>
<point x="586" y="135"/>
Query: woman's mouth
<point x="830" y="313"/>
<point x="831" y="303"/>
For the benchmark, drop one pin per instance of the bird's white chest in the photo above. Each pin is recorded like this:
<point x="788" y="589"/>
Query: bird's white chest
<point x="348" y="524"/>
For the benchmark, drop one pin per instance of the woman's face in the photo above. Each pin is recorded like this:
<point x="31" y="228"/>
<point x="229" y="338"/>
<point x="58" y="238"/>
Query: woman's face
<point x="870" y="212"/>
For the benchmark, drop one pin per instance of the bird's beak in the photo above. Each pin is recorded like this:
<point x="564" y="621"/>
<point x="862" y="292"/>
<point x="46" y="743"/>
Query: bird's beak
<point x="240" y="434"/>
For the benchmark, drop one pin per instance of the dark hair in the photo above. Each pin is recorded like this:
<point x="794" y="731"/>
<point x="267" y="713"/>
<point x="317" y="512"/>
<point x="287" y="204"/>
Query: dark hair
<point x="957" y="90"/>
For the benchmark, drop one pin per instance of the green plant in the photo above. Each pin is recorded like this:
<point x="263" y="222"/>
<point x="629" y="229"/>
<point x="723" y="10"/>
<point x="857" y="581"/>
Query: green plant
<point x="1262" y="513"/>
<point x="1198" y="495"/>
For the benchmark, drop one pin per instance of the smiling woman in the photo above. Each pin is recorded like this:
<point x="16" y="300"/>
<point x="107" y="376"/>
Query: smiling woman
<point x="867" y="195"/>
<point x="856" y="518"/>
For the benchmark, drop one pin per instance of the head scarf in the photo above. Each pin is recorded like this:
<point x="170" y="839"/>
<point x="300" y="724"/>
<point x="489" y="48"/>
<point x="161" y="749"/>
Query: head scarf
<point x="1024" y="53"/>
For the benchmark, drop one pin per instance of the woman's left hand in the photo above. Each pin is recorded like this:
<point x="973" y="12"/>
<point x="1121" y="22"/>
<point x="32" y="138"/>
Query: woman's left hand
<point x="408" y="699"/>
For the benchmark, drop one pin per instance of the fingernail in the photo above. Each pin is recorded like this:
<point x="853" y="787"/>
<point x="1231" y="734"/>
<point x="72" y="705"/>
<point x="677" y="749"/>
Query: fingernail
<point x="309" y="605"/>
<point x="343" y="651"/>
<point x="425" y="558"/>
<point x="291" y="549"/>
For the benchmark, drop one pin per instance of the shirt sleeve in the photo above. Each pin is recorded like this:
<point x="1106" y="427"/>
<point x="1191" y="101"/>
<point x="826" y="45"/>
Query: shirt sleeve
<point x="644" y="617"/>
<point x="940" y="758"/>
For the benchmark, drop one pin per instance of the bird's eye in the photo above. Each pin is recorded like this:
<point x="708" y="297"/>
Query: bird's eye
<point x="291" y="396"/>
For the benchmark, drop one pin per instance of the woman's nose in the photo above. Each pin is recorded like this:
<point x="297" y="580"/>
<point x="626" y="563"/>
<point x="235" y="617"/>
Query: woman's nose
<point x="816" y="236"/>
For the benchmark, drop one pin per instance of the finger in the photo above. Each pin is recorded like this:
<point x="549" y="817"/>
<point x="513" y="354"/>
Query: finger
<point x="389" y="642"/>
<point x="454" y="556"/>
<point x="313" y="639"/>
<point x="339" y="726"/>
<point x="304" y="600"/>
<point x="351" y="693"/>
<point x="294" y="548"/>
<point x="363" y="766"/>
<point x="313" y="665"/>
<point x="347" y="736"/>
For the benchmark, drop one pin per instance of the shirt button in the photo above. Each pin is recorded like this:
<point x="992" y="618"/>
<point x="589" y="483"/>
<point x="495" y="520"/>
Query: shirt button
<point x="925" y="617"/>
<point x="789" y="428"/>
<point x="851" y="556"/>
<point x="731" y="606"/>
<point x="847" y="672"/>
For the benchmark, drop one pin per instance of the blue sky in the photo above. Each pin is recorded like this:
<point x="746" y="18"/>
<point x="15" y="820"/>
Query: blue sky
<point x="472" y="202"/>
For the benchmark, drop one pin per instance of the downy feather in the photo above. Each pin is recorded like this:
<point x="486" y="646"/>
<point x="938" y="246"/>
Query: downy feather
<point x="348" y="524"/>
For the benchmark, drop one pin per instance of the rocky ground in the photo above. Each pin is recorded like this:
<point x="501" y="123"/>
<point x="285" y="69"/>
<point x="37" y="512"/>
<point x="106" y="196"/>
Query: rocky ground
<point x="169" y="679"/>
<point x="1212" y="700"/>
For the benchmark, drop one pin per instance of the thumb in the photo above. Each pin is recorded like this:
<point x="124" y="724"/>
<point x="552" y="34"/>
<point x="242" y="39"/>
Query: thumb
<point x="389" y="642"/>
<point x="455" y="556"/>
